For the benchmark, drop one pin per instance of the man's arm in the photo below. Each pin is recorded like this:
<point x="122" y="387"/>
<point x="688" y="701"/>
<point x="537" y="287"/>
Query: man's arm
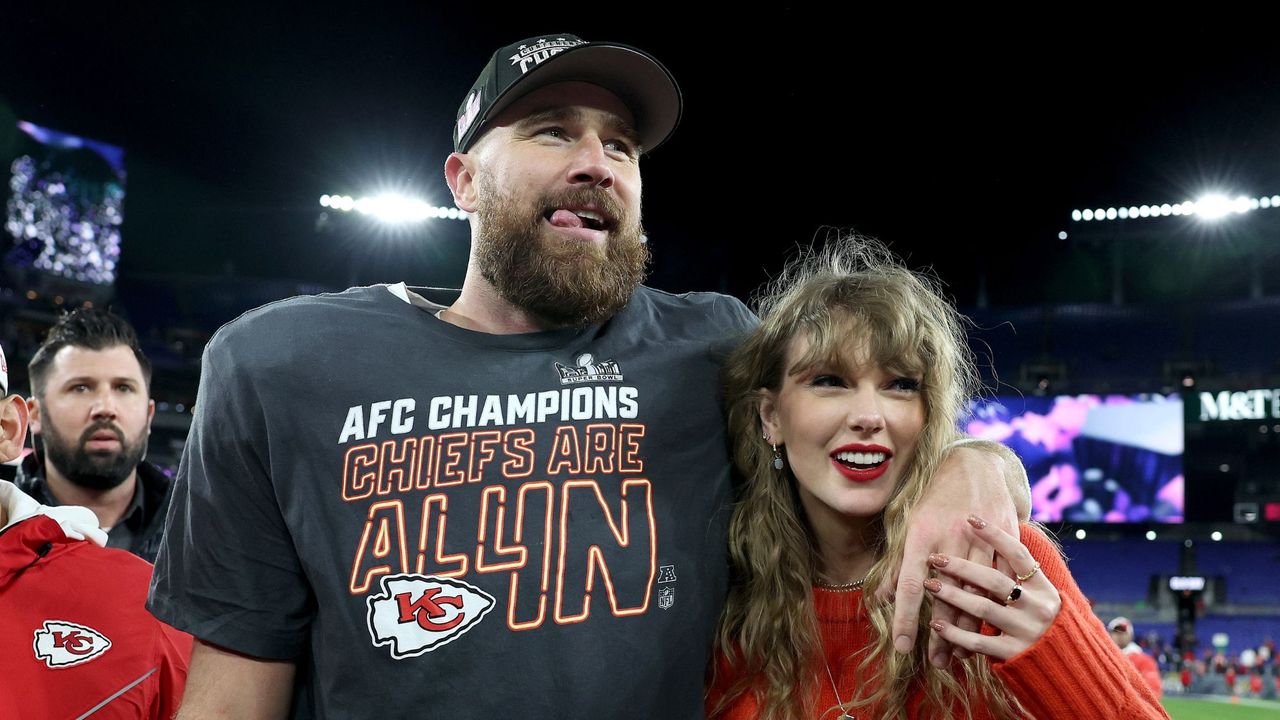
<point x="223" y="684"/>
<point x="1015" y="475"/>
<point x="982" y="478"/>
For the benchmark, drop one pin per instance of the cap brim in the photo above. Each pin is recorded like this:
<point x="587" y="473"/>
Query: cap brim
<point x="637" y="78"/>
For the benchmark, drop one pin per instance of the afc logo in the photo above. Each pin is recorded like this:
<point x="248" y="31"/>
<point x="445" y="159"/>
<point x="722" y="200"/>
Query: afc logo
<point x="64" y="644"/>
<point x="667" y="593"/>
<point x="415" y="614"/>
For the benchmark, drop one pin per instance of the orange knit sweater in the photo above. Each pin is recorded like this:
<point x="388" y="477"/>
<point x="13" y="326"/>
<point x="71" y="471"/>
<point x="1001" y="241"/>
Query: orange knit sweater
<point x="1073" y="671"/>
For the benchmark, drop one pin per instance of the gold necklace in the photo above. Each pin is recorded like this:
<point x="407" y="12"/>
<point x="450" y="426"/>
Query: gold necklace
<point x="825" y="584"/>
<point x="844" y="715"/>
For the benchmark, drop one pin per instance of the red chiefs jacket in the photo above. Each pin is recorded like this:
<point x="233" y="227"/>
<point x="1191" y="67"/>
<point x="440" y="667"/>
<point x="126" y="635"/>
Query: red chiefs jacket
<point x="76" y="640"/>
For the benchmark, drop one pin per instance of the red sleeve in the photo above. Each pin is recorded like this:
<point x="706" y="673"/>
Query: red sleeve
<point x="1074" y="670"/>
<point x="723" y="677"/>
<point x="173" y="653"/>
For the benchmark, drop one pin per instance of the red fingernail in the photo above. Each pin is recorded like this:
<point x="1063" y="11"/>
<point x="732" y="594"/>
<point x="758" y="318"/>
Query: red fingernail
<point x="932" y="585"/>
<point x="937" y="626"/>
<point x="939" y="560"/>
<point x="977" y="522"/>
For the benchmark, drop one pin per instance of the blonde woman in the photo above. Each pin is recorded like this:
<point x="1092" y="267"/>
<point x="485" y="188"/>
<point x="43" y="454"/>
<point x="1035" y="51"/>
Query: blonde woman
<point x="842" y="404"/>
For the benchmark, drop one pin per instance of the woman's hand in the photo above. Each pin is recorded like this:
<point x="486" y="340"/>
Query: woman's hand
<point x="1021" y="608"/>
<point x="976" y="478"/>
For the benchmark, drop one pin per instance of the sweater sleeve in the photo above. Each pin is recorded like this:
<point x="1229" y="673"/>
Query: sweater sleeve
<point x="1074" y="670"/>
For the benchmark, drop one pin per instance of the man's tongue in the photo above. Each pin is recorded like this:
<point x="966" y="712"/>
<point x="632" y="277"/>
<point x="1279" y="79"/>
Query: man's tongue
<point x="565" y="219"/>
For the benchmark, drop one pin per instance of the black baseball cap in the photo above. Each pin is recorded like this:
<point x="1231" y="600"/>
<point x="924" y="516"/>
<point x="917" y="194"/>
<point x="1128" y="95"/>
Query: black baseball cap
<point x="642" y="83"/>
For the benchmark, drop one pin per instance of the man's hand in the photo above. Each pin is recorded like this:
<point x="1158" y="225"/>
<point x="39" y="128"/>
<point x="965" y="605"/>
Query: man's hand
<point x="974" y="479"/>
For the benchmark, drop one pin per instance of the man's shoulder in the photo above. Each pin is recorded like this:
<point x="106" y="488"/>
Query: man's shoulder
<point x="299" y="323"/>
<point x="320" y="307"/>
<point x="97" y="569"/>
<point x="724" y="311"/>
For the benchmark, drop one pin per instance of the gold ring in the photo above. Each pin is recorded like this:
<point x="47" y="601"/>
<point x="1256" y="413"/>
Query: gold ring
<point x="1014" y="594"/>
<point x="1030" y="574"/>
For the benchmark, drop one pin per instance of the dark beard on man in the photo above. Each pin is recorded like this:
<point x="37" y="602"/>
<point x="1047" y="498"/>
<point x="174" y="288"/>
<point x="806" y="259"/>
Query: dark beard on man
<point x="562" y="282"/>
<point x="91" y="470"/>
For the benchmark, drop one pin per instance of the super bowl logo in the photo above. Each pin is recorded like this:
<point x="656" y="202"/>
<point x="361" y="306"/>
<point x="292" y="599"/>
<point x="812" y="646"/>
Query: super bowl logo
<point x="588" y="370"/>
<point x="415" y="614"/>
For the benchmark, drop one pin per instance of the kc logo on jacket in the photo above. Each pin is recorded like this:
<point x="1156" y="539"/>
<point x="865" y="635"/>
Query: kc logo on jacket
<point x="415" y="614"/>
<point x="63" y="644"/>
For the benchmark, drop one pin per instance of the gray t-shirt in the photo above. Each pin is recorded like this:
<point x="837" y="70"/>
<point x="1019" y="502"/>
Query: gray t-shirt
<point x="436" y="522"/>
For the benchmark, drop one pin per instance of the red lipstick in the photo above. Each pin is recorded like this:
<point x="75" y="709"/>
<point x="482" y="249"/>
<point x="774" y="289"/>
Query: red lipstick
<point x="861" y="475"/>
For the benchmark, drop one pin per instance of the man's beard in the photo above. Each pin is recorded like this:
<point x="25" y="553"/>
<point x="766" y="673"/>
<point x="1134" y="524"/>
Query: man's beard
<point x="559" y="281"/>
<point x="92" y="470"/>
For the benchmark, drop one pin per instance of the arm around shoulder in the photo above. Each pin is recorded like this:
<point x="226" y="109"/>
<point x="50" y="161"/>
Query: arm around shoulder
<point x="1015" y="475"/>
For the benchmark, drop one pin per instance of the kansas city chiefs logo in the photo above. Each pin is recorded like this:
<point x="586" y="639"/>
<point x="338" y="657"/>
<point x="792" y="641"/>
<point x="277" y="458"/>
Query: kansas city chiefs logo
<point x="415" y="614"/>
<point x="63" y="644"/>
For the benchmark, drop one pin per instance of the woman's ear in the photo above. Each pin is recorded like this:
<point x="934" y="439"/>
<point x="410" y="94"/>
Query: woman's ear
<point x="769" y="416"/>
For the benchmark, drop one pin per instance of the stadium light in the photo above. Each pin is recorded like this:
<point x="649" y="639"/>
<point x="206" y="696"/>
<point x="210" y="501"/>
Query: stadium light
<point x="1080" y="534"/>
<point x="1151" y="534"/>
<point x="1210" y="207"/>
<point x="391" y="208"/>
<point x="1217" y="536"/>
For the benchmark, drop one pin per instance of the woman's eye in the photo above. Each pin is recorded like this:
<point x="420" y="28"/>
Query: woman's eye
<point x="906" y="384"/>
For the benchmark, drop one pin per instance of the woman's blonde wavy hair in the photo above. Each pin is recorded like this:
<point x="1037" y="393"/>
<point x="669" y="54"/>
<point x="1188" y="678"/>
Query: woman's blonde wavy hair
<point x="853" y="297"/>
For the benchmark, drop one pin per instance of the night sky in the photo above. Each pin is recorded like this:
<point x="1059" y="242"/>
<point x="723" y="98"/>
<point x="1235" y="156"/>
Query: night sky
<point x="963" y="141"/>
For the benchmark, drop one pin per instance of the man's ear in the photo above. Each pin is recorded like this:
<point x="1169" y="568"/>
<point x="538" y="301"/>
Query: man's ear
<point x="459" y="172"/>
<point x="13" y="427"/>
<point x="33" y="413"/>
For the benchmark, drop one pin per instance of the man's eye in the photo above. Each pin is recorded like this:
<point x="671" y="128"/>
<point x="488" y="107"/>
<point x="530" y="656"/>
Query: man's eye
<point x="620" y="146"/>
<point x="554" y="132"/>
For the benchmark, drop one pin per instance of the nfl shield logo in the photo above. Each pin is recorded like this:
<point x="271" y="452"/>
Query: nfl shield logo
<point x="666" y="597"/>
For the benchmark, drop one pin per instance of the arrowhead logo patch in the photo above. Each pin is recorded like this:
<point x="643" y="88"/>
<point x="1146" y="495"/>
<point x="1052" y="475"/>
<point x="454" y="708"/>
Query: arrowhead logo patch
<point x="415" y="614"/>
<point x="64" y="644"/>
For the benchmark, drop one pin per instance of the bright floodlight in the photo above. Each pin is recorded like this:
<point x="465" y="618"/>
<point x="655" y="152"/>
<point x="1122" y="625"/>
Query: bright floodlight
<point x="1080" y="534"/>
<point x="1217" y="536"/>
<point x="1212" y="207"/>
<point x="1151" y="534"/>
<point x="1062" y="235"/>
<point x="391" y="208"/>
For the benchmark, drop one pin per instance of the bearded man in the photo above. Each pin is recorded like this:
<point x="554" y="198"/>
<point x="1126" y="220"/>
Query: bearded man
<point x="508" y="500"/>
<point x="91" y="414"/>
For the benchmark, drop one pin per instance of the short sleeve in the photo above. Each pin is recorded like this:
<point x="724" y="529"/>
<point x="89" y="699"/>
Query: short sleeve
<point x="227" y="571"/>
